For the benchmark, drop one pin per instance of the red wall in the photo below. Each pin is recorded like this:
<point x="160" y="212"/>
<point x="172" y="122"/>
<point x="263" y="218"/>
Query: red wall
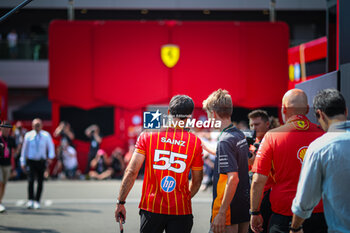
<point x="118" y="63"/>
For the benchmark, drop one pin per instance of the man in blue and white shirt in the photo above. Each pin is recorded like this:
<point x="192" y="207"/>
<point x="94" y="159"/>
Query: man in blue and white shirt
<point x="37" y="148"/>
<point x="326" y="167"/>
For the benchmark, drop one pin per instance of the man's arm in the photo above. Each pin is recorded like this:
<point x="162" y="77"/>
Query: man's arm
<point x="68" y="131"/>
<point x="58" y="130"/>
<point x="97" y="137"/>
<point x="129" y="178"/>
<point x="296" y="223"/>
<point x="51" y="147"/>
<point x="256" y="192"/>
<point x="89" y="129"/>
<point x="309" y="189"/>
<point x="230" y="190"/>
<point x="197" y="176"/>
<point x="208" y="149"/>
<point x="24" y="153"/>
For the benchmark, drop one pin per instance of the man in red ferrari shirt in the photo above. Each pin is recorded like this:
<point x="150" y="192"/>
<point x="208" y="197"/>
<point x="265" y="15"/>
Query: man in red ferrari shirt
<point x="169" y="155"/>
<point x="281" y="154"/>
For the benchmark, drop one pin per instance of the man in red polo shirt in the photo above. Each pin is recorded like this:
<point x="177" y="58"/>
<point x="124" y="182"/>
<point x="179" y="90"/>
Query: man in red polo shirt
<point x="281" y="154"/>
<point x="169" y="154"/>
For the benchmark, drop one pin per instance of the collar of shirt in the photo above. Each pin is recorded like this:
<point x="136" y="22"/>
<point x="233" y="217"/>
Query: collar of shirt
<point x="339" y="126"/>
<point x="297" y="118"/>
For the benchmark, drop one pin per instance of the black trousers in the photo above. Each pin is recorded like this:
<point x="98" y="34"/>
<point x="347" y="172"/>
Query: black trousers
<point x="36" y="169"/>
<point x="315" y="224"/>
<point x="157" y="223"/>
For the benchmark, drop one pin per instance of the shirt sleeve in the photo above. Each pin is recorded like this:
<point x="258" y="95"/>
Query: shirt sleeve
<point x="51" y="147"/>
<point x="141" y="144"/>
<point x="263" y="160"/>
<point x="227" y="161"/>
<point x="24" y="151"/>
<point x="197" y="164"/>
<point x="309" y="187"/>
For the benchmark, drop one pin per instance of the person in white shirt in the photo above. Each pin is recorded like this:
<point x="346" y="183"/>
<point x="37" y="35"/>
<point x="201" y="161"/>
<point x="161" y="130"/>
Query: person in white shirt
<point x="69" y="157"/>
<point x="12" y="43"/>
<point x="36" y="150"/>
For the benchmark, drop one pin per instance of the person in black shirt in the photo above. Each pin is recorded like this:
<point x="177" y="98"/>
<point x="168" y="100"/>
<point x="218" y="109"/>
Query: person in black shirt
<point x="93" y="133"/>
<point x="100" y="166"/>
<point x="19" y="133"/>
<point x="230" y="208"/>
<point x="117" y="163"/>
<point x="65" y="132"/>
<point x="7" y="146"/>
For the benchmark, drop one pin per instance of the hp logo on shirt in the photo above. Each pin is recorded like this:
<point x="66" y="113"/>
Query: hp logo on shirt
<point x="151" y="120"/>
<point x="168" y="184"/>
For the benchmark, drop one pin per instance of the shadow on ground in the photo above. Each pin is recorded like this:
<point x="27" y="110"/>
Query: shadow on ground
<point x="26" y="230"/>
<point x="50" y="212"/>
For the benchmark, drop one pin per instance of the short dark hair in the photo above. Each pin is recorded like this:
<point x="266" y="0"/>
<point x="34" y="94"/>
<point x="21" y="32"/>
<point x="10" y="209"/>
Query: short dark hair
<point x="329" y="101"/>
<point x="181" y="106"/>
<point x="259" y="113"/>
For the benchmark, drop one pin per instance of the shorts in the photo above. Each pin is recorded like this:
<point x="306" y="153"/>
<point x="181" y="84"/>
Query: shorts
<point x="5" y="172"/>
<point x="157" y="223"/>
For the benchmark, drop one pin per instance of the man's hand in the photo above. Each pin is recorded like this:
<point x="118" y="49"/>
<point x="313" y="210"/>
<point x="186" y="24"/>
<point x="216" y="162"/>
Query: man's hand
<point x="251" y="159"/>
<point x="120" y="211"/>
<point x="24" y="169"/>
<point x="296" y="223"/>
<point x="256" y="223"/>
<point x="218" y="224"/>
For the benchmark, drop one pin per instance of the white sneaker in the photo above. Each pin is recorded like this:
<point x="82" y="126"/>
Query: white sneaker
<point x="30" y="204"/>
<point x="2" y="208"/>
<point x="36" y="205"/>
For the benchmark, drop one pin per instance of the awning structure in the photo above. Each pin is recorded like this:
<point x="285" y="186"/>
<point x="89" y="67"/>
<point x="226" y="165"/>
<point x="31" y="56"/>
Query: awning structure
<point x="39" y="108"/>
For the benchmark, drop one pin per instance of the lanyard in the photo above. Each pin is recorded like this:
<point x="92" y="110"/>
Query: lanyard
<point x="6" y="149"/>
<point x="228" y="127"/>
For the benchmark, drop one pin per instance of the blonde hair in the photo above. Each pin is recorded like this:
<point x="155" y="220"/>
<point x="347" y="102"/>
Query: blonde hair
<point x="220" y="102"/>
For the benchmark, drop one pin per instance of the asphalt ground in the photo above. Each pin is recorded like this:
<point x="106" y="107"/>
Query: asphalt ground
<point x="83" y="206"/>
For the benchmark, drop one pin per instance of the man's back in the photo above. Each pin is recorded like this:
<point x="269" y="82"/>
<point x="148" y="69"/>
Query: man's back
<point x="282" y="151"/>
<point x="170" y="155"/>
<point x="330" y="154"/>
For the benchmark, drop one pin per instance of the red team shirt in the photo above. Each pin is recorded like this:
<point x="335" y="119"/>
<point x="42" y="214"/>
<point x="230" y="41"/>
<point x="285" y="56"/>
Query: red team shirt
<point x="269" y="181"/>
<point x="170" y="155"/>
<point x="280" y="155"/>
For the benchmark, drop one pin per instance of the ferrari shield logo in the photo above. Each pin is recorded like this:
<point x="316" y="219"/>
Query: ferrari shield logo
<point x="170" y="55"/>
<point x="301" y="125"/>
